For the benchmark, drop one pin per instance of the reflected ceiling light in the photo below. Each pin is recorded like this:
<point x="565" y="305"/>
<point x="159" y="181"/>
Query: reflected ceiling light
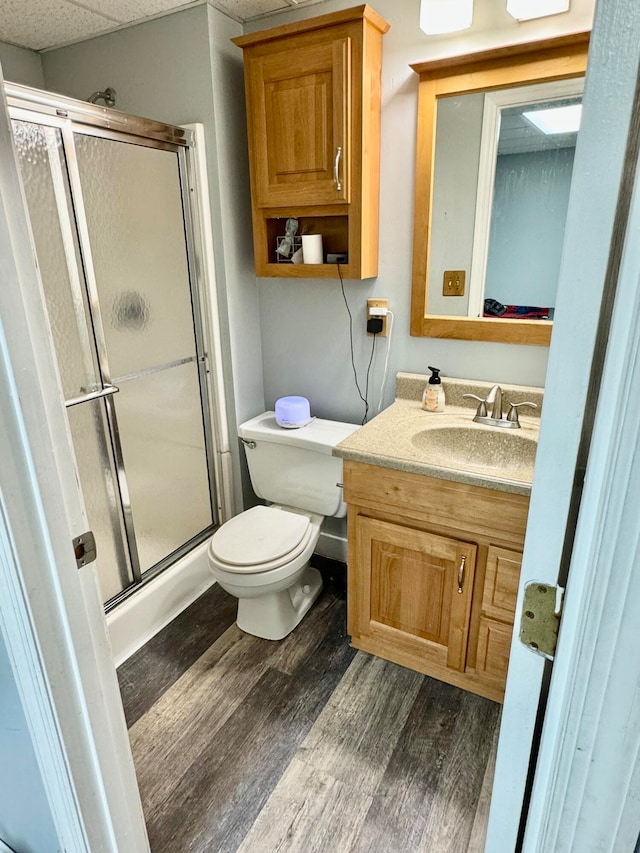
<point x="445" y="16"/>
<point x="556" y="119"/>
<point x="524" y="10"/>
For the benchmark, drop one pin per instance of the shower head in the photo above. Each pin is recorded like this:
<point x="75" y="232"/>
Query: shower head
<point x="108" y="96"/>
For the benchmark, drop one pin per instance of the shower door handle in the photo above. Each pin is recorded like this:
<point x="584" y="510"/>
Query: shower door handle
<point x="107" y="391"/>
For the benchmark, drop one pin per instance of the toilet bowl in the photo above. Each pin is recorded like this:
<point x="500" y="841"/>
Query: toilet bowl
<point x="262" y="557"/>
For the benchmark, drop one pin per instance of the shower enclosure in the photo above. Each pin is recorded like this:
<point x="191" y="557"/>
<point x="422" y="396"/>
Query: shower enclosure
<point x="108" y="200"/>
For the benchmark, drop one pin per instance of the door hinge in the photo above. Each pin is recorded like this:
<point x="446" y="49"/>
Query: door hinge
<point x="540" y="622"/>
<point x="84" y="548"/>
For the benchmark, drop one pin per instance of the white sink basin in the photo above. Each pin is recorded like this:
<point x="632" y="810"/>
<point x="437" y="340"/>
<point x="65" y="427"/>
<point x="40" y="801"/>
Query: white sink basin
<point x="473" y="448"/>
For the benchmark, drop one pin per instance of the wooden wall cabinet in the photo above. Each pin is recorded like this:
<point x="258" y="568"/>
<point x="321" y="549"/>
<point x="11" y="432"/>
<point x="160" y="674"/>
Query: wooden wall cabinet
<point x="313" y="116"/>
<point x="433" y="573"/>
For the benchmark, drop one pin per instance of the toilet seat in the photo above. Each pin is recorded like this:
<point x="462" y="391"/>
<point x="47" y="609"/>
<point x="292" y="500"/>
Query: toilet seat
<point x="260" y="539"/>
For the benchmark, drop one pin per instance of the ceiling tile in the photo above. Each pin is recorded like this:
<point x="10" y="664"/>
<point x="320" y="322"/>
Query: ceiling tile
<point x="243" y="10"/>
<point x="134" y="10"/>
<point x="42" y="24"/>
<point x="38" y="24"/>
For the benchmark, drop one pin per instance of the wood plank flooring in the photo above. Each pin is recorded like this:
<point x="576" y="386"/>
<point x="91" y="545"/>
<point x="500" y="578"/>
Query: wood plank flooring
<point x="242" y="744"/>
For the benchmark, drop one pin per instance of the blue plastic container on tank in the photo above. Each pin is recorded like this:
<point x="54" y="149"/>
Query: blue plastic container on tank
<point x="293" y="412"/>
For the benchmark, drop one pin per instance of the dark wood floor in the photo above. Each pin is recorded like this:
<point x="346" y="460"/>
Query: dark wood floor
<point x="243" y="744"/>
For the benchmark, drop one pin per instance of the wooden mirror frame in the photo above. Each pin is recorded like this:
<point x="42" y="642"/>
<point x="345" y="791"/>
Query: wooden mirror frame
<point x="558" y="58"/>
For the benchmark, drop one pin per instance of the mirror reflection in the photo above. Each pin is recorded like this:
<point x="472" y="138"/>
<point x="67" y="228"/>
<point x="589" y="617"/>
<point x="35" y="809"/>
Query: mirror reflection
<point x="455" y="243"/>
<point x="503" y="165"/>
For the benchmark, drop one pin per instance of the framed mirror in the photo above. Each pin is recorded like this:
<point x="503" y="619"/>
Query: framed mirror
<point x="491" y="187"/>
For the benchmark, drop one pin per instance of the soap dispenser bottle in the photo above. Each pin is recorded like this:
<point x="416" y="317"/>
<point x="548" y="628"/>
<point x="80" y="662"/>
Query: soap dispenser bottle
<point x="433" y="396"/>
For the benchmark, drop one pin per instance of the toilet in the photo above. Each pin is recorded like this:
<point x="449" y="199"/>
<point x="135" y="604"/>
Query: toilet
<point x="262" y="555"/>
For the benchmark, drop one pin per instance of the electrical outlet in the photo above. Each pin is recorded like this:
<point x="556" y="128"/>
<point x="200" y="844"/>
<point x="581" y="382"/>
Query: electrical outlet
<point x="453" y="282"/>
<point x="379" y="303"/>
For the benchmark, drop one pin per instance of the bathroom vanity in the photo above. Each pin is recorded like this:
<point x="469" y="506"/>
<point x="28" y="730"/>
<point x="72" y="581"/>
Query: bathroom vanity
<point x="435" y="537"/>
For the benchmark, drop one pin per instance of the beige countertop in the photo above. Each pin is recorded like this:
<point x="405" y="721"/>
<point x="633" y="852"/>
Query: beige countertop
<point x="403" y="437"/>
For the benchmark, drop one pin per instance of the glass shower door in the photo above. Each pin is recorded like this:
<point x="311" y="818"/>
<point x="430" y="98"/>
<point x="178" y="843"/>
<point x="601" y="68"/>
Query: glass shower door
<point x="111" y="240"/>
<point x="46" y="183"/>
<point x="132" y="200"/>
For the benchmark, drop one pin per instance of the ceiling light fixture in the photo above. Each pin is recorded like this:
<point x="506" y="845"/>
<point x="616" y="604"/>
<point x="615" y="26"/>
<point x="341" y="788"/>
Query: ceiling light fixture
<point x="556" y="119"/>
<point x="445" y="16"/>
<point x="525" y="10"/>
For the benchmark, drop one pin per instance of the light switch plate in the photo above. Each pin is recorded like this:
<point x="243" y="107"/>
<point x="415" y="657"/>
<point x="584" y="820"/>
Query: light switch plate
<point x="453" y="282"/>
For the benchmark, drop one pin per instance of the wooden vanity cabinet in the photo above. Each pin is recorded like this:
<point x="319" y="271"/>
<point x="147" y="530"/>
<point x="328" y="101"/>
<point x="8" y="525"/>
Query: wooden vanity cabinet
<point x="433" y="573"/>
<point x="407" y="594"/>
<point x="300" y="122"/>
<point x="313" y="114"/>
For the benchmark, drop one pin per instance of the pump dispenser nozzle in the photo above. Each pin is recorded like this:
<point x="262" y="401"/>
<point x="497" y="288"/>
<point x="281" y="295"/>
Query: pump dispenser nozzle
<point x="433" y="397"/>
<point x="434" y="379"/>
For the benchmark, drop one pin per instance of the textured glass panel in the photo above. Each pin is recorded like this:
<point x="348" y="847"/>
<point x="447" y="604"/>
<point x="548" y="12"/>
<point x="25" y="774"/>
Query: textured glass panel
<point x="134" y="213"/>
<point x="98" y="483"/>
<point x="45" y="181"/>
<point x="160" y="424"/>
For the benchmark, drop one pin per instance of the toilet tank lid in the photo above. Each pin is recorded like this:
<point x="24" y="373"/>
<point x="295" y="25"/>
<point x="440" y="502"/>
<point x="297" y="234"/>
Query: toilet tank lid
<point x="319" y="435"/>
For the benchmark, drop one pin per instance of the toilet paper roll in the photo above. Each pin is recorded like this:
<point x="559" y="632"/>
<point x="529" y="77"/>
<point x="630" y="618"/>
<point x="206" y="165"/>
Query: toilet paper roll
<point x="312" y="248"/>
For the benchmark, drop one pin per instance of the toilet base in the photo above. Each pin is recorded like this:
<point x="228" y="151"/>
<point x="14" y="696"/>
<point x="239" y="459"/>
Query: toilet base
<point x="276" y="614"/>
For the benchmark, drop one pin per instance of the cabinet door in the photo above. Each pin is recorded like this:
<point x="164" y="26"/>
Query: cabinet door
<point x="501" y="584"/>
<point x="300" y="125"/>
<point x="414" y="591"/>
<point x="498" y="612"/>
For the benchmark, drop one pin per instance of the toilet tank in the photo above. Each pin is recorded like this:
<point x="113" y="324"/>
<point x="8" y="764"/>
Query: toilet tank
<point x="295" y="466"/>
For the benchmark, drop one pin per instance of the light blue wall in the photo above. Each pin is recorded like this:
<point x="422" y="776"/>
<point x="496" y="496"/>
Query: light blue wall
<point x="235" y="244"/>
<point x="527" y="226"/>
<point x="21" y="66"/>
<point x="158" y="69"/>
<point x="453" y="206"/>
<point x="26" y="824"/>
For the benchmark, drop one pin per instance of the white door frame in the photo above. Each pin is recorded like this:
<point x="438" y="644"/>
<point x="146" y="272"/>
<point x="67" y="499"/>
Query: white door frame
<point x="594" y="238"/>
<point x="51" y="616"/>
<point x="587" y="782"/>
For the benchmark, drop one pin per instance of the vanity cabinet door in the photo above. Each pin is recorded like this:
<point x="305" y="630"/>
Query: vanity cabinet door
<point x="413" y="597"/>
<point x="498" y="612"/>
<point x="300" y="103"/>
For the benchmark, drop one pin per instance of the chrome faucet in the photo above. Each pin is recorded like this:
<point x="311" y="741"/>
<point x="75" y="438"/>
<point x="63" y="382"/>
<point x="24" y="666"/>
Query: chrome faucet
<point x="493" y="401"/>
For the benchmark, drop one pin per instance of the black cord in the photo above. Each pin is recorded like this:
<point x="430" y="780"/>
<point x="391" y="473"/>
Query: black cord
<point x="353" y="362"/>
<point x="366" y="387"/>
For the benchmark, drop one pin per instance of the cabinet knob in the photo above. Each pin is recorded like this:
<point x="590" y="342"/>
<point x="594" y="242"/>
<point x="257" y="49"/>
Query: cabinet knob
<point x="463" y="560"/>
<point x="336" y="168"/>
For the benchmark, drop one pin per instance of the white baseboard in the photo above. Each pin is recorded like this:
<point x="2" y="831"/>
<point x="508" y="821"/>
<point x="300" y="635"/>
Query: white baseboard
<point x="148" y="611"/>
<point x="332" y="546"/>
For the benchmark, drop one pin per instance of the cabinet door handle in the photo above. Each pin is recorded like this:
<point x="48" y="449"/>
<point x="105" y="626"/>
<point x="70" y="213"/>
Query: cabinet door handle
<point x="463" y="560"/>
<point x="336" y="170"/>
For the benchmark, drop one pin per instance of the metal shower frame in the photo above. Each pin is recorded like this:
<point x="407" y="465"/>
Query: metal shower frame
<point x="70" y="116"/>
